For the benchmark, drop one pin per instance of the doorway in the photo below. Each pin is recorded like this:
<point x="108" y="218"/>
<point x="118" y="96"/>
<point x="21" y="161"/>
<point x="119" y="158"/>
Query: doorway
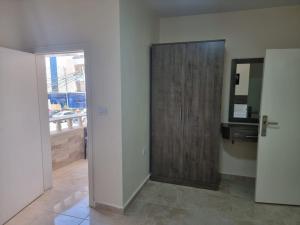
<point x="26" y="114"/>
<point x="67" y="117"/>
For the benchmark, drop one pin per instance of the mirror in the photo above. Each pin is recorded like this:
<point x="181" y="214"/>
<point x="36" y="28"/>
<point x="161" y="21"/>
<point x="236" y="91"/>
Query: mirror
<point x="245" y="94"/>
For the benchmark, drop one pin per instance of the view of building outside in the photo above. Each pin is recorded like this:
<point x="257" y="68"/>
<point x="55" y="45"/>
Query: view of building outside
<point x="66" y="88"/>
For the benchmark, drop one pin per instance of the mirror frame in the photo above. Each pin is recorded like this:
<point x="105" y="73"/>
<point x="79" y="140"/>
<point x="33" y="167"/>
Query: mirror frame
<point x="232" y="89"/>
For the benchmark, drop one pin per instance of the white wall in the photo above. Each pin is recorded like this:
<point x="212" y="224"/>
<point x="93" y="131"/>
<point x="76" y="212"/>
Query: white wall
<point x="92" y="25"/>
<point x="139" y="28"/>
<point x="243" y="87"/>
<point x="10" y="24"/>
<point x="248" y="34"/>
<point x="95" y="26"/>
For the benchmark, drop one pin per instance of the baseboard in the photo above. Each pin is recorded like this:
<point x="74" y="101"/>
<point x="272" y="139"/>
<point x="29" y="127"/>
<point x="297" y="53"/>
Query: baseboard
<point x="115" y="209"/>
<point x="136" y="192"/>
<point x="209" y="186"/>
<point x="237" y="175"/>
<point x="100" y="207"/>
<point x="119" y="210"/>
<point x="231" y="176"/>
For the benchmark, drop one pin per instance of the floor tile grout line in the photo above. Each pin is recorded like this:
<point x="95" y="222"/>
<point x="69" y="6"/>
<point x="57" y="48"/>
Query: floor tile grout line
<point x="82" y="222"/>
<point x="72" y="216"/>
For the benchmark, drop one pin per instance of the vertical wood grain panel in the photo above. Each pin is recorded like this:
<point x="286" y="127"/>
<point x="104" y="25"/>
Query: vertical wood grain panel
<point x="166" y="113"/>
<point x="186" y="86"/>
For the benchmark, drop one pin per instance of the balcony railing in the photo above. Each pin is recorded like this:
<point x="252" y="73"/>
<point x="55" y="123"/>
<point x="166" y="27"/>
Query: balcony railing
<point x="67" y="122"/>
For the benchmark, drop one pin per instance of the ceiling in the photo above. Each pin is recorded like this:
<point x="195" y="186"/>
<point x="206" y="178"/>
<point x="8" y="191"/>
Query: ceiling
<point x="168" y="8"/>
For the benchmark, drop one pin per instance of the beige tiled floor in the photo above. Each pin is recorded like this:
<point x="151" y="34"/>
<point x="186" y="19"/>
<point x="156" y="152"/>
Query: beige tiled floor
<point x="65" y="204"/>
<point x="156" y="204"/>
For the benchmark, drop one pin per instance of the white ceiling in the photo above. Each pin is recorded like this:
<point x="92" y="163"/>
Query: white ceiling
<point x="167" y="8"/>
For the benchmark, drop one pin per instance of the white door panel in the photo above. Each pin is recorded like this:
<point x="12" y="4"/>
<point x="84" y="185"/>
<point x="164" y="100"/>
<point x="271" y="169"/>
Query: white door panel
<point x="278" y="166"/>
<point x="21" y="172"/>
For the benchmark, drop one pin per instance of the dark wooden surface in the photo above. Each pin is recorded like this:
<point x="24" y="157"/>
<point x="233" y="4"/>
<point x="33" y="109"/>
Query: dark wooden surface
<point x="186" y="86"/>
<point x="240" y="132"/>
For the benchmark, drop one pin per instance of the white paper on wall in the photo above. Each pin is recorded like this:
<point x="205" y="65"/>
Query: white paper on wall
<point x="240" y="111"/>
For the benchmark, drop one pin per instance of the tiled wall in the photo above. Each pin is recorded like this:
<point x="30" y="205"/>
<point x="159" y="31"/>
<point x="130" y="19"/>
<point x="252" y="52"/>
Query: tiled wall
<point x="67" y="147"/>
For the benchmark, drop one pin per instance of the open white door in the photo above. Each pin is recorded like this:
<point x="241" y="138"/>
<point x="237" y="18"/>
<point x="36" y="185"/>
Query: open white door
<point x="278" y="169"/>
<point x="21" y="170"/>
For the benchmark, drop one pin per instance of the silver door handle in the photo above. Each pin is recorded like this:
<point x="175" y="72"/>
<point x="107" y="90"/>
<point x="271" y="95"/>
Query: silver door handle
<point x="273" y="123"/>
<point x="265" y="124"/>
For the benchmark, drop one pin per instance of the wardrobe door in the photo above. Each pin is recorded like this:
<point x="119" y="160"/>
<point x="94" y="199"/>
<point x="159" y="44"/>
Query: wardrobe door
<point x="186" y="86"/>
<point x="202" y="113"/>
<point x="167" y="80"/>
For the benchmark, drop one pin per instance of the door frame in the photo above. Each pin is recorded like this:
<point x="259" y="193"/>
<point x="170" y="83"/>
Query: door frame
<point x="40" y="52"/>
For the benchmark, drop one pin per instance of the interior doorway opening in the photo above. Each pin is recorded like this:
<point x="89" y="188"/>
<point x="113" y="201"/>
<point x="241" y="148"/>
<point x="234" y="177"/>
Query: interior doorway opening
<point x="67" y="110"/>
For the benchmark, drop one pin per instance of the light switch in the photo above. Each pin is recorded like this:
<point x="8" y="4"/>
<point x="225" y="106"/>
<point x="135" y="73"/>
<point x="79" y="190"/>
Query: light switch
<point x="102" y="110"/>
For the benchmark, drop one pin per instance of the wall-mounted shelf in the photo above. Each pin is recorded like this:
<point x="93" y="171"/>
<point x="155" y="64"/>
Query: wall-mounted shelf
<point x="240" y="132"/>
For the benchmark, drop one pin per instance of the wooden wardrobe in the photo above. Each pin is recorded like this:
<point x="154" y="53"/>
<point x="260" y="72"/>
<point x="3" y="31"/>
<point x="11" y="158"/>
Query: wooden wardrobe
<point x="186" y="87"/>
